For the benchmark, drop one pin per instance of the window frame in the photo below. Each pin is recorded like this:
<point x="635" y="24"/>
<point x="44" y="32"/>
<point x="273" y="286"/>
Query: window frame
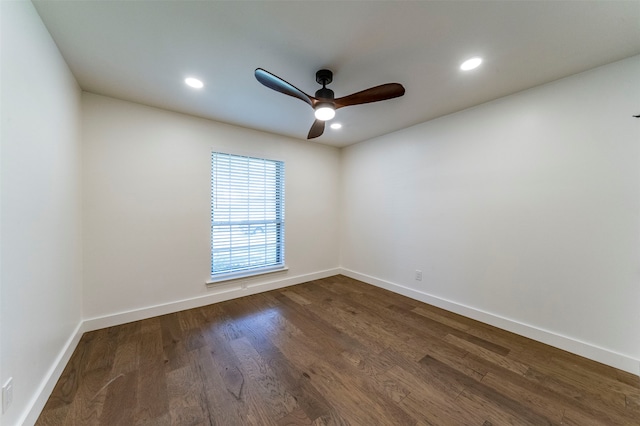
<point x="278" y="184"/>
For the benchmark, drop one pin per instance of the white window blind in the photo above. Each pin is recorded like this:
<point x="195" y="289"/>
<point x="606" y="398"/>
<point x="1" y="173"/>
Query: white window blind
<point x="247" y="214"/>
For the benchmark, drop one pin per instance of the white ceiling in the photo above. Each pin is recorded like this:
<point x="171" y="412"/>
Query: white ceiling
<point x="142" y="50"/>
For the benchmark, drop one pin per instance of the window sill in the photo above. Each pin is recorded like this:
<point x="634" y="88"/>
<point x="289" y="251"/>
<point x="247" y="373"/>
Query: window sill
<point x="245" y="274"/>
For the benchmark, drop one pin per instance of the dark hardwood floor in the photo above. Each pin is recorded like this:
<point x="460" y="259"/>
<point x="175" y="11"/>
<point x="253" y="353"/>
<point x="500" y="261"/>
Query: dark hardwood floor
<point x="331" y="352"/>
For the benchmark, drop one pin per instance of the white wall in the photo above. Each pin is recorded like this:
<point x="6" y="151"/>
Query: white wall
<point x="147" y="186"/>
<point x="523" y="212"/>
<point x="40" y="216"/>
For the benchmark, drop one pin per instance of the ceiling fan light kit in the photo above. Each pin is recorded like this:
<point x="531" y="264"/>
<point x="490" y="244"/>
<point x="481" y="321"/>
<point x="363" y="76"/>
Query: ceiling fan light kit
<point x="325" y="112"/>
<point x="324" y="102"/>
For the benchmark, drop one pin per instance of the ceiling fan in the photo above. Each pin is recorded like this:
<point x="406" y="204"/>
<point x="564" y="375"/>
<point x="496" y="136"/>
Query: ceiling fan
<point x="324" y="103"/>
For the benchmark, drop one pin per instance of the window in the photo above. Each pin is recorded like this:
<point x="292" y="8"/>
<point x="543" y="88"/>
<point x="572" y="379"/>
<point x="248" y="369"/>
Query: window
<point x="247" y="216"/>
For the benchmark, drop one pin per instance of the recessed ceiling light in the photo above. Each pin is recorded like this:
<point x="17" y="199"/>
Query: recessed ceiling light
<point x="194" y="82"/>
<point x="336" y="126"/>
<point x="470" y="64"/>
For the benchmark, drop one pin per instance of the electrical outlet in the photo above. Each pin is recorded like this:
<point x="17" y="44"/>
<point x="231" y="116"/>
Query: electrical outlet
<point x="7" y="394"/>
<point x="418" y="275"/>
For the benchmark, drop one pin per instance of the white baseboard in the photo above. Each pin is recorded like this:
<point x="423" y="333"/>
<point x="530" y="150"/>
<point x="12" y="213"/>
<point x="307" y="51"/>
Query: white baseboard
<point x="218" y="293"/>
<point x="49" y="381"/>
<point x="602" y="355"/>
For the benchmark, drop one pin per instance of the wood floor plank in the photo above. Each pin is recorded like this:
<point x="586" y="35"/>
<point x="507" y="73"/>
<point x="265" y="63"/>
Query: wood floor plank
<point x="536" y="400"/>
<point x="312" y="403"/>
<point x="348" y="323"/>
<point x="321" y="333"/>
<point x="184" y="390"/>
<point x="279" y="402"/>
<point x="223" y="407"/>
<point x="334" y="351"/>
<point x="120" y="400"/>
<point x="583" y="400"/>
<point x="152" y="400"/>
<point x="355" y="398"/>
<point x="87" y="404"/>
<point x="478" y="391"/>
<point x="490" y="356"/>
<point x="173" y="342"/>
<point x="430" y="412"/>
<point x="295" y="418"/>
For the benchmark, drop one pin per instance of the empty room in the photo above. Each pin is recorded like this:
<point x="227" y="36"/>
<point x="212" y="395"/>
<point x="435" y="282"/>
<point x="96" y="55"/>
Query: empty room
<point x="320" y="212"/>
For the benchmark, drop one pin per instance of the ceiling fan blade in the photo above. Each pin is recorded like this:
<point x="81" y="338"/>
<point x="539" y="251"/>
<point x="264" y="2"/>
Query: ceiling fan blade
<point x="317" y="129"/>
<point x="374" y="94"/>
<point x="279" y="85"/>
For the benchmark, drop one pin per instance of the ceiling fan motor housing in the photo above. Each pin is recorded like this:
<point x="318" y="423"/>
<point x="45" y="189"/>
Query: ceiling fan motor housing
<point x="324" y="93"/>
<point x="324" y="77"/>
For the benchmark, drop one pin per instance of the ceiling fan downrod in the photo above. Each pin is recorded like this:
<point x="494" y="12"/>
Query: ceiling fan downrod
<point x="324" y="77"/>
